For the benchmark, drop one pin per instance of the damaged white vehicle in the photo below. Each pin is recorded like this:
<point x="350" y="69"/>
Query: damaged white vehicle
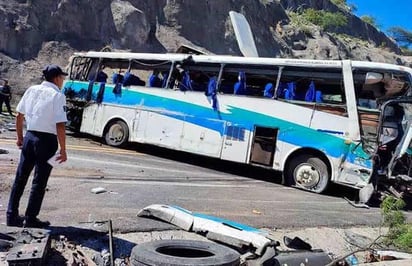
<point x="318" y="121"/>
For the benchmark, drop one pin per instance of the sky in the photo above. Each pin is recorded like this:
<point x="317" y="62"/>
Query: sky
<point x="386" y="13"/>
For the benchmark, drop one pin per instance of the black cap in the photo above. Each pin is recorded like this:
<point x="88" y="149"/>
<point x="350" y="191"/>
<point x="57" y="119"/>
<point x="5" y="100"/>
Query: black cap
<point x="51" y="71"/>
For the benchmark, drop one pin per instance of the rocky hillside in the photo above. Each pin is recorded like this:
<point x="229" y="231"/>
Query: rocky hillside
<point x="34" y="33"/>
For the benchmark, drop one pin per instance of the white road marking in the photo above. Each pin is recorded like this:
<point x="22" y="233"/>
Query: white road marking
<point x="133" y="166"/>
<point x="163" y="183"/>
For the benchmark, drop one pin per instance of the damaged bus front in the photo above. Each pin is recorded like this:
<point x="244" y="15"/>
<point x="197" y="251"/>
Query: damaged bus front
<point x="386" y="134"/>
<point x="393" y="156"/>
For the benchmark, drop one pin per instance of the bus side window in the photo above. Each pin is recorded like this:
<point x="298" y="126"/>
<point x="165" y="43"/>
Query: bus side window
<point x="117" y="78"/>
<point x="290" y="91"/>
<point x="269" y="90"/>
<point x="131" y="79"/>
<point x="155" y="80"/>
<point x="200" y="80"/>
<point x="185" y="83"/>
<point x="101" y="76"/>
<point x="240" y="86"/>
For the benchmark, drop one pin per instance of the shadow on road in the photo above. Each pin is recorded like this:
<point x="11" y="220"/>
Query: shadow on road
<point x="249" y="171"/>
<point x="244" y="170"/>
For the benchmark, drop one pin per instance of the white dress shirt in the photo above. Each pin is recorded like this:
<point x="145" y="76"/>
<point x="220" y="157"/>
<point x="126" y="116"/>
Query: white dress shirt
<point x="43" y="106"/>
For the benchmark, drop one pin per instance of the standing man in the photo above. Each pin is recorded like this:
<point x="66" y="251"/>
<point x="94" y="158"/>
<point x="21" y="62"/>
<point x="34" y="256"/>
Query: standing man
<point x="44" y="109"/>
<point x="5" y="96"/>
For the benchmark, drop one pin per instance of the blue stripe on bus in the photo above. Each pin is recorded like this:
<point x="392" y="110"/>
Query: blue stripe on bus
<point x="331" y="131"/>
<point x="208" y="118"/>
<point x="229" y="223"/>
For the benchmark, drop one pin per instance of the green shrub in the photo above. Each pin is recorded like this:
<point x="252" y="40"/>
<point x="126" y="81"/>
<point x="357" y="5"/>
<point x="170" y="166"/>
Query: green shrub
<point x="299" y="22"/>
<point x="350" y="39"/>
<point x="400" y="232"/>
<point x="405" y="238"/>
<point x="325" y="19"/>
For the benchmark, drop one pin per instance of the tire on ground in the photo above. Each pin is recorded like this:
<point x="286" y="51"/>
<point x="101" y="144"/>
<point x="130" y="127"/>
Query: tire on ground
<point x="116" y="133"/>
<point x="183" y="252"/>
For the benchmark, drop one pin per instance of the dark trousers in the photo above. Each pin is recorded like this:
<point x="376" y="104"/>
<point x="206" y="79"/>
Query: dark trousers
<point x="6" y="100"/>
<point x="37" y="148"/>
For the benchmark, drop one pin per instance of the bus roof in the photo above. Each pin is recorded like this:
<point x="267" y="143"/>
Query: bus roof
<point x="227" y="59"/>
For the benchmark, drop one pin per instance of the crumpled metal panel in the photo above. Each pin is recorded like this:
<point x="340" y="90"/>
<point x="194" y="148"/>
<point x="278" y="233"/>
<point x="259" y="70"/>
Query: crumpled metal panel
<point x="29" y="246"/>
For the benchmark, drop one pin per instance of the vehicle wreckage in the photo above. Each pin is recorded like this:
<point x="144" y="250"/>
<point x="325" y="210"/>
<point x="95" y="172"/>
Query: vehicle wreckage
<point x="350" y="126"/>
<point x="241" y="243"/>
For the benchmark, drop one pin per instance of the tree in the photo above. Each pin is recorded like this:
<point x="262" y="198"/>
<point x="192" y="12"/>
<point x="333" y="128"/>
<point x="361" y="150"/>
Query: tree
<point x="401" y="36"/>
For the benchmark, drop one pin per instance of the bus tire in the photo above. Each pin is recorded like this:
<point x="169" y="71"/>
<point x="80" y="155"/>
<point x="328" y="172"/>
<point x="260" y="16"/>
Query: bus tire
<point x="307" y="172"/>
<point x="183" y="252"/>
<point x="116" y="133"/>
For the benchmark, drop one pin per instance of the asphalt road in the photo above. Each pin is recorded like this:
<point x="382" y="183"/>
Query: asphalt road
<point x="141" y="175"/>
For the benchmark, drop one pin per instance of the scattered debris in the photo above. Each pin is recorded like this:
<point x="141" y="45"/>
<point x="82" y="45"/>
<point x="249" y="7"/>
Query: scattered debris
<point x="253" y="244"/>
<point x="29" y="246"/>
<point x="357" y="204"/>
<point x="356" y="240"/>
<point x="2" y="151"/>
<point x="98" y="190"/>
<point x="393" y="255"/>
<point x="79" y="259"/>
<point x="296" y="243"/>
<point x="11" y="127"/>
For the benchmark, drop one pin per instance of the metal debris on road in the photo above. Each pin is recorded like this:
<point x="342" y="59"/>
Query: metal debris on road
<point x="98" y="190"/>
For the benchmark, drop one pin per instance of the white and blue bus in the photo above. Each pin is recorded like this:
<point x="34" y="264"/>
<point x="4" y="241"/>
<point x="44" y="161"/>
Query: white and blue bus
<point x="318" y="121"/>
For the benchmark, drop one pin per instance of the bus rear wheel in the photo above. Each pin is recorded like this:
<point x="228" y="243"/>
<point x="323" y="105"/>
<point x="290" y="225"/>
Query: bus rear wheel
<point x="307" y="172"/>
<point x="116" y="134"/>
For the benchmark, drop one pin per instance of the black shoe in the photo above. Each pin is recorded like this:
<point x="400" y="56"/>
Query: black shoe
<point x="15" y="221"/>
<point x="36" y="223"/>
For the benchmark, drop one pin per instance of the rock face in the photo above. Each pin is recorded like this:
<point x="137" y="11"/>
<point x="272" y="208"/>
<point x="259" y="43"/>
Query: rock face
<point x="34" y="33"/>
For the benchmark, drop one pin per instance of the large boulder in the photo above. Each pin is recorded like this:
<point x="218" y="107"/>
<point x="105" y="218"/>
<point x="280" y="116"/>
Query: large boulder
<point x="131" y="25"/>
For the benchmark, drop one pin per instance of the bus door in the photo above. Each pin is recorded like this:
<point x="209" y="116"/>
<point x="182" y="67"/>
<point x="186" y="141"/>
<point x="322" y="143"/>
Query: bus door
<point x="263" y="145"/>
<point x="235" y="143"/>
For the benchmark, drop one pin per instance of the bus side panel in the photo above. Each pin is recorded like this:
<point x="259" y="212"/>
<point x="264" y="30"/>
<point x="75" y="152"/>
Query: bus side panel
<point x="97" y="116"/>
<point x="198" y="139"/>
<point x="138" y="134"/>
<point x="163" y="130"/>
<point x="88" y="119"/>
<point x="236" y="143"/>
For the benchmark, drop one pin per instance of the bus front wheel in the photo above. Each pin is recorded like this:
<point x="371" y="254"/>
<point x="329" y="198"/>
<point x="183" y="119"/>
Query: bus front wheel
<point x="116" y="134"/>
<point x="307" y="172"/>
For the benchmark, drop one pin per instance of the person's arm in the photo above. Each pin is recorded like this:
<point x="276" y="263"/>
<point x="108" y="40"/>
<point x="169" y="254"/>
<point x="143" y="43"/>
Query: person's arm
<point x="61" y="137"/>
<point x="19" y="129"/>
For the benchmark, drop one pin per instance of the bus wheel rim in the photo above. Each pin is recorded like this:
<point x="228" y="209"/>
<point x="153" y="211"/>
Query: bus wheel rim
<point x="116" y="133"/>
<point x="307" y="176"/>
